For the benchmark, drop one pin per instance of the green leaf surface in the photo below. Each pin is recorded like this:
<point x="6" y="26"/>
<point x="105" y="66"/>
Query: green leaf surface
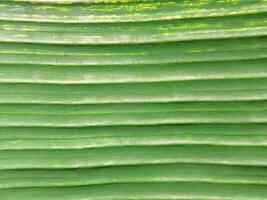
<point x="143" y="32"/>
<point x="133" y="99"/>
<point x="85" y="11"/>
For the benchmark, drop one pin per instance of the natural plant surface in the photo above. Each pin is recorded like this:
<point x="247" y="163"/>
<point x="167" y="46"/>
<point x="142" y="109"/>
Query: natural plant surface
<point x="133" y="99"/>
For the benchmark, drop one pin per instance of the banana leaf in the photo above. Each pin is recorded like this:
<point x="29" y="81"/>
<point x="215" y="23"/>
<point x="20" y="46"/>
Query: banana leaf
<point x="133" y="99"/>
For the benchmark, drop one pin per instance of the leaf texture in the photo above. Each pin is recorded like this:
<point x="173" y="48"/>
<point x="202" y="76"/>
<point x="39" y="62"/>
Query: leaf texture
<point x="133" y="99"/>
